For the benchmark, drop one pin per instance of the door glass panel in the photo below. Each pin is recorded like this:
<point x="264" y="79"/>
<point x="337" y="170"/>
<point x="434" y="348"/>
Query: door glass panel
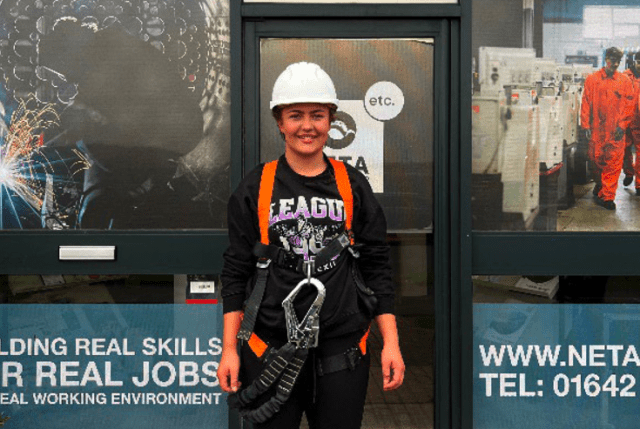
<point x="384" y="128"/>
<point x="114" y="115"/>
<point x="384" y="124"/>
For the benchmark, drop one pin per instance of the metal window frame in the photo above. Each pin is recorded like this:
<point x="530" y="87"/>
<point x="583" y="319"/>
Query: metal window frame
<point x="137" y="252"/>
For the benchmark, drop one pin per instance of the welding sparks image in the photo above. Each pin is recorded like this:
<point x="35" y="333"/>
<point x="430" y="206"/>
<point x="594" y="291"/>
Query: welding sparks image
<point x="32" y="179"/>
<point x="110" y="125"/>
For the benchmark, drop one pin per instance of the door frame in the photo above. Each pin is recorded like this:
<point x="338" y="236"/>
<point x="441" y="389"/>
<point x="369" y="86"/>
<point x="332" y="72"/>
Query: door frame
<point x="245" y="129"/>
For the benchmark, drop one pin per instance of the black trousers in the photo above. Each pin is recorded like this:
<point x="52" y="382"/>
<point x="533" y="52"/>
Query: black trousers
<point x="329" y="401"/>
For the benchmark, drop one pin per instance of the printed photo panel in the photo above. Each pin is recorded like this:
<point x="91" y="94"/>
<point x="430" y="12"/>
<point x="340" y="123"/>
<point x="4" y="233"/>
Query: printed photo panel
<point x="555" y="351"/>
<point x="115" y="114"/>
<point x="111" y="350"/>
<point x="553" y="148"/>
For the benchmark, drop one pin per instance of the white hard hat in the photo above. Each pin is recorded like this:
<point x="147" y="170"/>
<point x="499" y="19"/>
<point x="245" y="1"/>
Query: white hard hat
<point x="303" y="83"/>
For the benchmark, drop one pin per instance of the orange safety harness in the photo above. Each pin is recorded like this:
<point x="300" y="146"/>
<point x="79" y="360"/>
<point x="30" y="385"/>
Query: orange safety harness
<point x="287" y="361"/>
<point x="267" y="253"/>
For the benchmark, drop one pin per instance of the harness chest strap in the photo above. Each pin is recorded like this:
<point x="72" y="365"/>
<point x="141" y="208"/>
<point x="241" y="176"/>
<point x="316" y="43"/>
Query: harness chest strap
<point x="291" y="261"/>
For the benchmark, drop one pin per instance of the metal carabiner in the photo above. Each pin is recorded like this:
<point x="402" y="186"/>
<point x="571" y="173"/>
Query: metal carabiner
<point x="305" y="333"/>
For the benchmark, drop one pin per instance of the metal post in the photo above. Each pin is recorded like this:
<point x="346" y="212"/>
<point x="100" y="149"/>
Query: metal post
<point x="527" y="23"/>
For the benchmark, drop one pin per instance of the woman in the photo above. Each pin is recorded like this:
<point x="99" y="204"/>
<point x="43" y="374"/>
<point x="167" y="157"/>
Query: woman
<point x="308" y="211"/>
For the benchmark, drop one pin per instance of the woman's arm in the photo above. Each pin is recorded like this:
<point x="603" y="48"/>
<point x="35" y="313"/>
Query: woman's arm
<point x="229" y="367"/>
<point x="391" y="358"/>
<point x="370" y="229"/>
<point x="239" y="266"/>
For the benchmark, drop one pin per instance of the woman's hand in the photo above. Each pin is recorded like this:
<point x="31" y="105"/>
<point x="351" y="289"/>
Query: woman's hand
<point x="392" y="368"/>
<point x="229" y="366"/>
<point x="228" y="371"/>
<point x="391" y="358"/>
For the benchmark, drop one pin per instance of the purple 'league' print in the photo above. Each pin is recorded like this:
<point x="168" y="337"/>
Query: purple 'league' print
<point x="114" y="114"/>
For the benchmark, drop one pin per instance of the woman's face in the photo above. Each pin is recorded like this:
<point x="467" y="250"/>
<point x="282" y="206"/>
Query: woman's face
<point x="305" y="127"/>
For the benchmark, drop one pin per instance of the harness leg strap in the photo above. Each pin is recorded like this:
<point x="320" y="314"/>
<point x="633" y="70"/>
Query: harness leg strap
<point x="347" y="360"/>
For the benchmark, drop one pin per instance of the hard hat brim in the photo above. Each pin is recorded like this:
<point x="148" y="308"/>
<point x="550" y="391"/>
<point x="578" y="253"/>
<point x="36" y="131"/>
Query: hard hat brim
<point x="301" y="100"/>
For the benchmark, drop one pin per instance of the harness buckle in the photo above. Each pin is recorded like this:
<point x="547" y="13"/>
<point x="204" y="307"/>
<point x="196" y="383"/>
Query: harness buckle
<point x="345" y="239"/>
<point x="353" y="252"/>
<point x="287" y="259"/>
<point x="304" y="334"/>
<point x="263" y="263"/>
<point x="352" y="357"/>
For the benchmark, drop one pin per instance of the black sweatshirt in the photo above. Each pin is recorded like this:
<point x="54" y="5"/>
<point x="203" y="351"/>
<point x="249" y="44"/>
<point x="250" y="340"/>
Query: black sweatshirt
<point x="306" y="213"/>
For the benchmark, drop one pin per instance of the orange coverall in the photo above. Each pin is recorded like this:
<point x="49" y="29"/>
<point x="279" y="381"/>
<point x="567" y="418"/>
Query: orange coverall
<point x="632" y="135"/>
<point x="607" y="103"/>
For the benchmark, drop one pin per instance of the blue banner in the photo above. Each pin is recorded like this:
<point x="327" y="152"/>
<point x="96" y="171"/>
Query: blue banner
<point x="111" y="366"/>
<point x="556" y="366"/>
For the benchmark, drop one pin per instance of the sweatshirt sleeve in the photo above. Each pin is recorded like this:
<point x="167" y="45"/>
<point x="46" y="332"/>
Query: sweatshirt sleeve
<point x="370" y="231"/>
<point x="628" y="103"/>
<point x="239" y="261"/>
<point x="585" y="106"/>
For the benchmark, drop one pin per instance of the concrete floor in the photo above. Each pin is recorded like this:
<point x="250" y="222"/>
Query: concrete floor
<point x="585" y="215"/>
<point x="410" y="406"/>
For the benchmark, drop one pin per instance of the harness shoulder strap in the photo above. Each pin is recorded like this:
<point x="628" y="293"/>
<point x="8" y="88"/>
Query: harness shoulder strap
<point x="264" y="198"/>
<point x="266" y="192"/>
<point x="344" y="188"/>
<point x="252" y="305"/>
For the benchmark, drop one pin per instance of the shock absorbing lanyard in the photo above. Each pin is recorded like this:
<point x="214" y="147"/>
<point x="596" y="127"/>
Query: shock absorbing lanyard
<point x="287" y="361"/>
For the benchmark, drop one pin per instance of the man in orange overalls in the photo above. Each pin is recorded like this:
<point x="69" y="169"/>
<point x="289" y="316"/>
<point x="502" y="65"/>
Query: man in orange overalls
<point x="632" y="169"/>
<point x="606" y="112"/>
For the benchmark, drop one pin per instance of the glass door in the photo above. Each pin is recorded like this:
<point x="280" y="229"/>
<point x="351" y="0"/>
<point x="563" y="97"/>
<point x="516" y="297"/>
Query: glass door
<point x="386" y="128"/>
